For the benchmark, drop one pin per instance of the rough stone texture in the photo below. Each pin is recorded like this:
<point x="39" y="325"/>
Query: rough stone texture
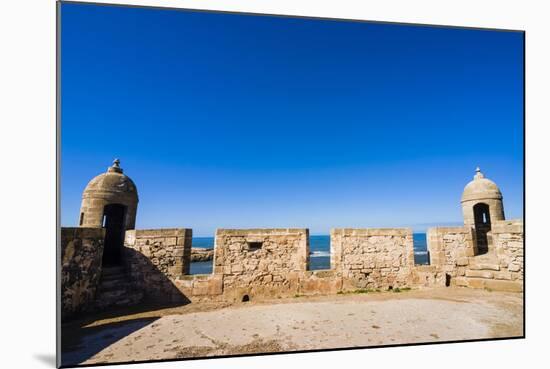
<point x="201" y="287"/>
<point x="267" y="263"/>
<point x="81" y="253"/>
<point x="273" y="269"/>
<point x="449" y="247"/>
<point x="508" y="241"/>
<point x="453" y="252"/>
<point x="373" y="258"/>
<point x="320" y="282"/>
<point x="427" y="276"/>
<point x="155" y="258"/>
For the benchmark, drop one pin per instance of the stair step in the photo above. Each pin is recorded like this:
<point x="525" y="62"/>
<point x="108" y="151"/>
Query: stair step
<point x="113" y="294"/>
<point x="110" y="278"/>
<point x="115" y="289"/>
<point x="114" y="277"/>
<point x="107" y="271"/>
<point x="114" y="284"/>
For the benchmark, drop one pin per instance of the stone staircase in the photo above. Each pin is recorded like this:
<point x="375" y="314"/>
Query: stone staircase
<point x="115" y="289"/>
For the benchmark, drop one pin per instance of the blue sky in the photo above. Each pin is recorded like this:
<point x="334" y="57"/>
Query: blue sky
<point x="226" y="120"/>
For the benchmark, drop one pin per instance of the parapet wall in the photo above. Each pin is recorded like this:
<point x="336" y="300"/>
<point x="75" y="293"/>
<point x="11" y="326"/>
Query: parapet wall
<point x="261" y="261"/>
<point x="81" y="253"/>
<point x="373" y="258"/>
<point x="267" y="263"/>
<point x="155" y="258"/>
<point x="449" y="247"/>
<point x="508" y="239"/>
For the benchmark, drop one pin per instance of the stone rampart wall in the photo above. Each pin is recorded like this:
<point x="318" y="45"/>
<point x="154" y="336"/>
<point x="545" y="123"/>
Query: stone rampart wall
<point x="373" y="258"/>
<point x="449" y="248"/>
<point x="81" y="253"/>
<point x="265" y="262"/>
<point x="508" y="240"/>
<point x="155" y="258"/>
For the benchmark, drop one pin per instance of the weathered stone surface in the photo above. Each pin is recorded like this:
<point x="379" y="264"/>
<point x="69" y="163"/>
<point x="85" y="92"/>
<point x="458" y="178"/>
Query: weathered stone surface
<point x="461" y="282"/>
<point x="503" y="262"/>
<point x="373" y="258"/>
<point x="509" y="286"/>
<point x="479" y="274"/>
<point x="261" y="262"/>
<point x="155" y="258"/>
<point x="484" y="266"/>
<point x="81" y="253"/>
<point x="503" y="275"/>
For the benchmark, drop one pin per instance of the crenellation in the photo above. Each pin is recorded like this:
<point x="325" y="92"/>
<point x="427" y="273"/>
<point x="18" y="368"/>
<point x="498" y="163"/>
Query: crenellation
<point x="256" y="264"/>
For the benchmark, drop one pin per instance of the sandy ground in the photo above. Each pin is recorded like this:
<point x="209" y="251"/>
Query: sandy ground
<point x="301" y="323"/>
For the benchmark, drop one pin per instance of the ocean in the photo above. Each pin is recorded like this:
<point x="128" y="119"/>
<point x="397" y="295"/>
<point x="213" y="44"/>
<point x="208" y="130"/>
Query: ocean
<point x="319" y="257"/>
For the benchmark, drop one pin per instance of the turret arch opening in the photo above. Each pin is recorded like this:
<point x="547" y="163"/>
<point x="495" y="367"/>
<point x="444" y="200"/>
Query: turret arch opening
<point x="482" y="224"/>
<point x="114" y="219"/>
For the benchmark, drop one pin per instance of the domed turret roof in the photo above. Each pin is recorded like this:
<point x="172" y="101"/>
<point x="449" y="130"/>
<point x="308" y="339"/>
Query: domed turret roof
<point x="481" y="188"/>
<point x="113" y="183"/>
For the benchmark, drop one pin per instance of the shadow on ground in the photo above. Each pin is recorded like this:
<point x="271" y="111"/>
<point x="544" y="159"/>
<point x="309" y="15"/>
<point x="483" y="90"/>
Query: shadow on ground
<point x="80" y="345"/>
<point x="86" y="334"/>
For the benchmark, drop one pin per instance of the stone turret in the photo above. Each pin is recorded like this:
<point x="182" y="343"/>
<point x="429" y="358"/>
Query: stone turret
<point x="481" y="191"/>
<point x="112" y="188"/>
<point x="481" y="207"/>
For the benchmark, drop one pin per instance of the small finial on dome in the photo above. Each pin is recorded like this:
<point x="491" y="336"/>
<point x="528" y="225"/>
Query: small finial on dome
<point x="115" y="167"/>
<point x="479" y="174"/>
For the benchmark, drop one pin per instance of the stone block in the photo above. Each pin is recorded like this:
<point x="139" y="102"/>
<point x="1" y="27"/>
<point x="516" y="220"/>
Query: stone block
<point x="507" y="286"/>
<point x="215" y="286"/>
<point x="503" y="275"/>
<point x="476" y="282"/>
<point x="200" y="290"/>
<point x="236" y="268"/>
<point x="479" y="274"/>
<point x="170" y="241"/>
<point x="483" y="266"/>
<point x="461" y="282"/>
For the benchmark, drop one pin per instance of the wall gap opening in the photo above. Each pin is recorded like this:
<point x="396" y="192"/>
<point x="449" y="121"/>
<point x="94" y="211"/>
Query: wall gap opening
<point x="420" y="247"/>
<point x="202" y="251"/>
<point x="319" y="252"/>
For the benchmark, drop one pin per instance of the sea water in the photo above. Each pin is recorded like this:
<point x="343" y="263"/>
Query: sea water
<point x="319" y="252"/>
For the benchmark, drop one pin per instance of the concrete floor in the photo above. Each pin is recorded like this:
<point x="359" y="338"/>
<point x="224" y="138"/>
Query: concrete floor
<point x="301" y="323"/>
